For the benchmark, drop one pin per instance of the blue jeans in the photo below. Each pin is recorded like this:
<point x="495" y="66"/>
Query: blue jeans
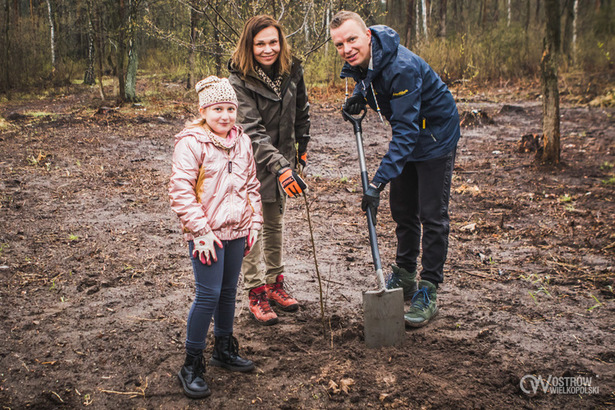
<point x="216" y="289"/>
<point x="419" y="204"/>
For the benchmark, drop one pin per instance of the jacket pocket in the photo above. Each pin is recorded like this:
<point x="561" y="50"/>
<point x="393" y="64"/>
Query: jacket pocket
<point x="425" y="130"/>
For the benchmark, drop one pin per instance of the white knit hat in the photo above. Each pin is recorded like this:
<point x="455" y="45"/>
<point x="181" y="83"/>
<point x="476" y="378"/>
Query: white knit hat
<point x="213" y="90"/>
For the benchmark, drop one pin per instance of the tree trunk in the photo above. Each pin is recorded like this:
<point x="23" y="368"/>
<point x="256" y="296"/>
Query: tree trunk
<point x="52" y="36"/>
<point x="575" y="59"/>
<point x="508" y="13"/>
<point x="7" y="45"/>
<point x="567" y="34"/>
<point x="121" y="52"/>
<point x="484" y="14"/>
<point x="133" y="55"/>
<point x="527" y="26"/>
<point x="457" y="13"/>
<point x="442" y="17"/>
<point x="410" y="23"/>
<point x="88" y="77"/>
<point x="327" y="21"/>
<point x="424" y="11"/>
<point x="550" y="91"/>
<point x="100" y="44"/>
<point x="218" y="46"/>
<point x="417" y="20"/>
<point x="194" y="20"/>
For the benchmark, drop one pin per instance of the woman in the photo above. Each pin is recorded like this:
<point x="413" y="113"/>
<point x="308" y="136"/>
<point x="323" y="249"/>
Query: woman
<point x="274" y="111"/>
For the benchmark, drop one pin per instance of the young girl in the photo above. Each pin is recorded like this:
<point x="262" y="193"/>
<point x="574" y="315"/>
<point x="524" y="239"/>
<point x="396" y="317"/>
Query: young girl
<point x="214" y="191"/>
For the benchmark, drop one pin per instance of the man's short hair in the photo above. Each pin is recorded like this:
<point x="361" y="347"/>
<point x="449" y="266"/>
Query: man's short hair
<point x="344" y="15"/>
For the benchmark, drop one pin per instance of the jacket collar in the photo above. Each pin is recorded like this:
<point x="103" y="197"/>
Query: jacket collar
<point x="254" y="83"/>
<point x="202" y="135"/>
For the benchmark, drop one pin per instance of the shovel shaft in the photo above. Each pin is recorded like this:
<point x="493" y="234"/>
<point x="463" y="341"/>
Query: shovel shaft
<point x="373" y="238"/>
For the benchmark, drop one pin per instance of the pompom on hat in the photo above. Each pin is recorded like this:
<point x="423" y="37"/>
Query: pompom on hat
<point x="213" y="90"/>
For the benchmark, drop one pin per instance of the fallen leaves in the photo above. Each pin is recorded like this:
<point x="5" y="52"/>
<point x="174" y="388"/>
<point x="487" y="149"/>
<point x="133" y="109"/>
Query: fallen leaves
<point x="467" y="189"/>
<point x="342" y="387"/>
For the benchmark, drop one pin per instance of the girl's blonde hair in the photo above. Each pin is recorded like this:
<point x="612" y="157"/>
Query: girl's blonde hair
<point x="197" y="122"/>
<point x="243" y="56"/>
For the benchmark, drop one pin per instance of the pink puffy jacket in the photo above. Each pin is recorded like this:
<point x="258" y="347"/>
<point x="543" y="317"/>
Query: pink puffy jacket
<point x="213" y="189"/>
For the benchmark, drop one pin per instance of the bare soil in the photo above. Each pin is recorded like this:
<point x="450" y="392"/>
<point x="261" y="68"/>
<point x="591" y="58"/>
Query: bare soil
<point x="95" y="282"/>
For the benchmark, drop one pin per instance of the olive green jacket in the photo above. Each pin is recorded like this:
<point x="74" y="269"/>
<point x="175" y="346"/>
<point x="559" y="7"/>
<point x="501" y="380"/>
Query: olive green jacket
<point x="273" y="123"/>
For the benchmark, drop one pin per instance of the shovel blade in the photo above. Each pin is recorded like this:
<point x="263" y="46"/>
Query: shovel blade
<point x="383" y="317"/>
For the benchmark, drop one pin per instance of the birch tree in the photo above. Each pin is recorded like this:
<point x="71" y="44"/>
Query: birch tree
<point x="424" y="11"/>
<point x="88" y="77"/>
<point x="52" y="35"/>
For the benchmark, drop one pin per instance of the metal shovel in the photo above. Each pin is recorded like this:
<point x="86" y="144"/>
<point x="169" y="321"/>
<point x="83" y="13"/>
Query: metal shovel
<point x="383" y="309"/>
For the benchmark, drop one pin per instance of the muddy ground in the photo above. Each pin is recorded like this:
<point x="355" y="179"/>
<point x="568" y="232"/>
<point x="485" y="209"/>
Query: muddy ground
<point x="95" y="283"/>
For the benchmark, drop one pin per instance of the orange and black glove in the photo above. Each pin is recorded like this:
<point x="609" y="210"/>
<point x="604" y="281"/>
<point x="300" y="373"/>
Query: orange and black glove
<point x="303" y="159"/>
<point x="302" y="143"/>
<point x="292" y="183"/>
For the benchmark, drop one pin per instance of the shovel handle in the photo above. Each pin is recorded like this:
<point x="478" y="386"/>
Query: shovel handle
<point x="356" y="121"/>
<point x="373" y="238"/>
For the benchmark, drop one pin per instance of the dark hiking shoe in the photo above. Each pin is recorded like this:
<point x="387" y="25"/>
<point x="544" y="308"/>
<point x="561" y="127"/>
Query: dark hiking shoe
<point x="277" y="295"/>
<point x="191" y="377"/>
<point x="423" y="307"/>
<point x="260" y="307"/>
<point x="401" y="278"/>
<point x="226" y="354"/>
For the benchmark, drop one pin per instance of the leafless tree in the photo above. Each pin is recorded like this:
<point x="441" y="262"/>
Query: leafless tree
<point x="550" y="91"/>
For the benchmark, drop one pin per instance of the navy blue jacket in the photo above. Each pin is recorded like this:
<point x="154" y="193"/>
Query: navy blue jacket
<point x="412" y="97"/>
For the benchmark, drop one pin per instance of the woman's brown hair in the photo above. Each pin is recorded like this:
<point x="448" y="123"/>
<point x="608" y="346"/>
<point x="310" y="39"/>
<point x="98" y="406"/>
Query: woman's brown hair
<point x="243" y="56"/>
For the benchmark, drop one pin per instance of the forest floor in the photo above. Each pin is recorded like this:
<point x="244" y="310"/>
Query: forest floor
<point x="95" y="280"/>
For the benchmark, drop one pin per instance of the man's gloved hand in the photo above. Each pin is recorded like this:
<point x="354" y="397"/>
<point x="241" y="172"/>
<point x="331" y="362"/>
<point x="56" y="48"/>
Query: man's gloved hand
<point x="371" y="200"/>
<point x="250" y="241"/>
<point x="204" y="248"/>
<point x="355" y="104"/>
<point x="292" y="183"/>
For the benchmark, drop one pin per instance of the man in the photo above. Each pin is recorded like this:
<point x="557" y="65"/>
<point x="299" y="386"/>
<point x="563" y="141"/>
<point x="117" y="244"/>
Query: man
<point x="419" y="163"/>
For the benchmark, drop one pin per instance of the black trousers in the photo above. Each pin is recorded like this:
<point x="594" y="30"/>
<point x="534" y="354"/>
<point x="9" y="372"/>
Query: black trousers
<point x="419" y="202"/>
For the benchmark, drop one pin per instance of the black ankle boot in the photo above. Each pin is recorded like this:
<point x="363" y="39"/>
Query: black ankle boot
<point x="191" y="377"/>
<point x="226" y="354"/>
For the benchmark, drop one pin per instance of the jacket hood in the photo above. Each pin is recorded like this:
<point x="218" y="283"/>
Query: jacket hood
<point x="385" y="42"/>
<point x="202" y="135"/>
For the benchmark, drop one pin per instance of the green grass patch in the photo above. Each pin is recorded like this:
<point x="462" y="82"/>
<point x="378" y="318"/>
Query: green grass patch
<point x="609" y="181"/>
<point x="39" y="114"/>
